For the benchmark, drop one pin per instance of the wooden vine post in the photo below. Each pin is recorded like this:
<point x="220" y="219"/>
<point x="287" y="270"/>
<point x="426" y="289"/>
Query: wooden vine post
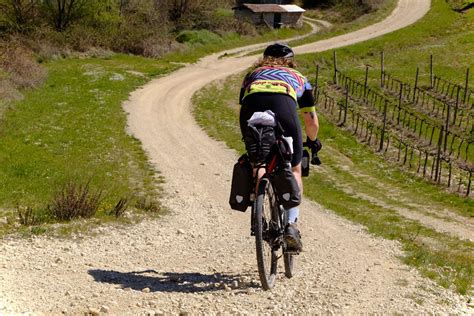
<point x="316" y="83"/>
<point x="456" y="106"/>
<point x="438" y="154"/>
<point x="416" y="84"/>
<point x="400" y="96"/>
<point x="366" y="82"/>
<point x="466" y="86"/>
<point x="346" y="105"/>
<point x="431" y="71"/>
<point x="335" y="67"/>
<point x="446" y="131"/>
<point x="382" y="134"/>
<point x="382" y="68"/>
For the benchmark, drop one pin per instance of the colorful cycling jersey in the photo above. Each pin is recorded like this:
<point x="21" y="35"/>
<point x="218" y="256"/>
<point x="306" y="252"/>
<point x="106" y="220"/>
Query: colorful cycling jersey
<point x="276" y="80"/>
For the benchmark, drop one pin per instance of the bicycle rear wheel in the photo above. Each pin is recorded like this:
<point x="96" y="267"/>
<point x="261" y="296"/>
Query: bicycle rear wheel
<point x="265" y="205"/>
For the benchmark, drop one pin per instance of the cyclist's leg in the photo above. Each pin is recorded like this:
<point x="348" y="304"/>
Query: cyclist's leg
<point x="291" y="124"/>
<point x="294" y="212"/>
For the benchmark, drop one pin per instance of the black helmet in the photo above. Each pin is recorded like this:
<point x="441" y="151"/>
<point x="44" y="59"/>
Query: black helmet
<point x="279" y="50"/>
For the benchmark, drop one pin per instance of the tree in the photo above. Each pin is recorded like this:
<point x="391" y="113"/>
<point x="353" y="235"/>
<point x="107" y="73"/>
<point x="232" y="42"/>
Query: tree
<point x="19" y="14"/>
<point x="63" y="12"/>
<point x="178" y="8"/>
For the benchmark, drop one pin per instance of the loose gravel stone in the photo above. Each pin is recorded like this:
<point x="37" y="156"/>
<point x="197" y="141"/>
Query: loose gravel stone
<point x="104" y="309"/>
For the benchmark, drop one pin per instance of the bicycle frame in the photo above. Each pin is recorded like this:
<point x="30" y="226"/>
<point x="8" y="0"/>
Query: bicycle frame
<point x="282" y="218"/>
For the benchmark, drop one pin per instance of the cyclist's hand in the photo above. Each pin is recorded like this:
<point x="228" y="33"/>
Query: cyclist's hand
<point x="315" y="146"/>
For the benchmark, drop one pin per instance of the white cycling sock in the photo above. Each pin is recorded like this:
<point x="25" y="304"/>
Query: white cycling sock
<point x="293" y="214"/>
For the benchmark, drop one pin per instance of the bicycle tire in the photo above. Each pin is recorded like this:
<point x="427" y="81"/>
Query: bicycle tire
<point x="264" y="208"/>
<point x="289" y="260"/>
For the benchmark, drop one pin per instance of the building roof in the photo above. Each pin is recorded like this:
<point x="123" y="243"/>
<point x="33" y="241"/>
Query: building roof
<point x="292" y="8"/>
<point x="270" y="8"/>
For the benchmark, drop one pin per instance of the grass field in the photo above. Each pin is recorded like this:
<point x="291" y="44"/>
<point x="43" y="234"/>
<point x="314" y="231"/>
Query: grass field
<point x="73" y="129"/>
<point x="358" y="184"/>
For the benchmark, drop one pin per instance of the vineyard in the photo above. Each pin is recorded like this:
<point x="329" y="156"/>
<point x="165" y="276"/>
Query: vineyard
<point x="428" y="129"/>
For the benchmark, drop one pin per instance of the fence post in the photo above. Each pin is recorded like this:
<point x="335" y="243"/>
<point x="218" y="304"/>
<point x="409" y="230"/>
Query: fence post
<point x="335" y="67"/>
<point x="382" y="134"/>
<point x="456" y="105"/>
<point x="416" y="84"/>
<point x="469" y="183"/>
<point x="317" y="75"/>
<point x="466" y="86"/>
<point x="400" y="95"/>
<point x="438" y="155"/>
<point x="316" y="85"/>
<point x="382" y="68"/>
<point x="366" y="82"/>
<point x="346" y="105"/>
<point x="446" y="131"/>
<point x="431" y="71"/>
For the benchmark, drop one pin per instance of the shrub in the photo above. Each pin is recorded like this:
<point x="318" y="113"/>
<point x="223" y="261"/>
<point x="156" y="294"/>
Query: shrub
<point x="198" y="37"/>
<point x="27" y="216"/>
<point x="120" y="208"/>
<point x="147" y="204"/>
<point x="19" y="63"/>
<point x="75" y="200"/>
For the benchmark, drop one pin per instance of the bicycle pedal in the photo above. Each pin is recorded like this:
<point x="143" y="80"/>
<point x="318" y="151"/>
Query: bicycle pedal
<point x="293" y="253"/>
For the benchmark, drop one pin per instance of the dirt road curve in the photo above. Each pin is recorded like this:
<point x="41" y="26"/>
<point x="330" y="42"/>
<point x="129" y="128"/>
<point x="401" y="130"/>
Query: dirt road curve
<point x="200" y="258"/>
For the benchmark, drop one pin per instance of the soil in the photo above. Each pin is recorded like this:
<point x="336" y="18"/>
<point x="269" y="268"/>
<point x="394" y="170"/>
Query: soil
<point x="200" y="257"/>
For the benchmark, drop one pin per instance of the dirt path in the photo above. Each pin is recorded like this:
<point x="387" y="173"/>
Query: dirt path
<point x="200" y="258"/>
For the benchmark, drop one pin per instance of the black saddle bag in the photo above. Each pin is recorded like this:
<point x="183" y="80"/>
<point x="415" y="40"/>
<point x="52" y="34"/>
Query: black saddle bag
<point x="242" y="183"/>
<point x="259" y="141"/>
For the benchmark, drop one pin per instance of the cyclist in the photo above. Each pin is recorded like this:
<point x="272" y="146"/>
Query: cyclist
<point x="274" y="84"/>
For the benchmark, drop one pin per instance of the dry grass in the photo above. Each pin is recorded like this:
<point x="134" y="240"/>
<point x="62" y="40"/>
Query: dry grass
<point x="148" y="205"/>
<point x="27" y="216"/>
<point x="120" y="208"/>
<point x="19" y="63"/>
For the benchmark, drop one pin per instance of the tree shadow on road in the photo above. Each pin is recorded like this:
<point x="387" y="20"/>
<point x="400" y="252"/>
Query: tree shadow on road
<point x="191" y="282"/>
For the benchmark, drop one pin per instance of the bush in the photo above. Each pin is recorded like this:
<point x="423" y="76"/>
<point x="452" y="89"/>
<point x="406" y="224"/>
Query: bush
<point x="75" y="200"/>
<point x="19" y="63"/>
<point x="148" y="205"/>
<point x="460" y="5"/>
<point x="27" y="216"/>
<point x="198" y="37"/>
<point x="120" y="208"/>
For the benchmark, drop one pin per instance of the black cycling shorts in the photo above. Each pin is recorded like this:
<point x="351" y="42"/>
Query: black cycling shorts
<point x="285" y="109"/>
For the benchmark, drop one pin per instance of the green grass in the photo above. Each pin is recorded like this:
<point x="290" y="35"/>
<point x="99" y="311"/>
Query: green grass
<point x="202" y="43"/>
<point x="73" y="129"/>
<point x="358" y="184"/>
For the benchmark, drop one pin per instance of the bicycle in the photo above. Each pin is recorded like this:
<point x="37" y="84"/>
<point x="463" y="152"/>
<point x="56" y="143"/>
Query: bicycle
<point x="269" y="219"/>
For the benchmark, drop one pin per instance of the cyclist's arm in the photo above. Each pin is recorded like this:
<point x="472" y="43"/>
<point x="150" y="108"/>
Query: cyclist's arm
<point x="243" y="87"/>
<point x="241" y="96"/>
<point x="310" y="118"/>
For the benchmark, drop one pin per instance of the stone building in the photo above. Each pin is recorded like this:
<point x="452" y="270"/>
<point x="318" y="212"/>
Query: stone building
<point x="273" y="15"/>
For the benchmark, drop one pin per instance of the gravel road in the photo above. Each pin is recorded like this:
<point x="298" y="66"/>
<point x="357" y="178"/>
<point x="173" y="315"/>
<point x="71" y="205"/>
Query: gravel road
<point x="199" y="258"/>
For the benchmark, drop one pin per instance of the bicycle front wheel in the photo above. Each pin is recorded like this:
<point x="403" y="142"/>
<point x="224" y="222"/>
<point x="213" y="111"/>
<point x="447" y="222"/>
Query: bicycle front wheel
<point x="265" y="205"/>
<point x="288" y="258"/>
